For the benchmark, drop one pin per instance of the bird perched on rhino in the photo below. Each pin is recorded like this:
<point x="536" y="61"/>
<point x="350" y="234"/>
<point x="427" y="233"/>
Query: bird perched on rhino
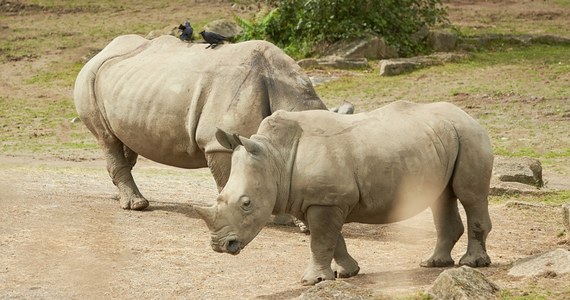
<point x="212" y="38"/>
<point x="187" y="31"/>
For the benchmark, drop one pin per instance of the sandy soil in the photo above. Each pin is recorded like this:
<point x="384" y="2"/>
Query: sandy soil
<point x="63" y="235"/>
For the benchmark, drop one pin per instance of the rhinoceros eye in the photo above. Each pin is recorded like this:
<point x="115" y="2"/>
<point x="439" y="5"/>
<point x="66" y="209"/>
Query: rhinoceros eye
<point x="245" y="203"/>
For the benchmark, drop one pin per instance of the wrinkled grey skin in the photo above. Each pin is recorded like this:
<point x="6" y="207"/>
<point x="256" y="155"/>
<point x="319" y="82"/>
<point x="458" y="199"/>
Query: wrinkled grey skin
<point x="163" y="99"/>
<point x="378" y="167"/>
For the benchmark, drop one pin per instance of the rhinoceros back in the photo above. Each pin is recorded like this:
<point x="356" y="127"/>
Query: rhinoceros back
<point x="164" y="99"/>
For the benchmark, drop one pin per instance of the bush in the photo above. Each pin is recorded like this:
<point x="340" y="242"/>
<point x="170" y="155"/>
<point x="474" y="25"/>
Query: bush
<point x="299" y="26"/>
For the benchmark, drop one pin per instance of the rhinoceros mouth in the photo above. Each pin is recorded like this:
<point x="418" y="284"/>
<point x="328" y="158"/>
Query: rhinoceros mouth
<point x="233" y="247"/>
<point x="229" y="244"/>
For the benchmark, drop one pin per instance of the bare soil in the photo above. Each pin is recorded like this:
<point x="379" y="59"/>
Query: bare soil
<point x="64" y="236"/>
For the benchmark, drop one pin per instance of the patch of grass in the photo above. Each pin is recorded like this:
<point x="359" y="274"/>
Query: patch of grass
<point x="56" y="74"/>
<point x="556" y="198"/>
<point x="521" y="71"/>
<point x="531" y="152"/>
<point x="532" y="293"/>
<point x="40" y="125"/>
<point x="520" y="95"/>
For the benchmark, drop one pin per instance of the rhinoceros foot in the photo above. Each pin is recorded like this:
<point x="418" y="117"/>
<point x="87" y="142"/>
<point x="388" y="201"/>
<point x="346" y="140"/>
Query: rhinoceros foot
<point x="314" y="276"/>
<point x="340" y="272"/>
<point x="475" y="260"/>
<point x="433" y="262"/>
<point x="134" y="203"/>
<point x="345" y="268"/>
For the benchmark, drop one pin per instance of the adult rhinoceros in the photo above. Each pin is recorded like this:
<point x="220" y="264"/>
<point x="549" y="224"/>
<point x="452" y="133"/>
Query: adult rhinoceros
<point x="377" y="167"/>
<point x="163" y="99"/>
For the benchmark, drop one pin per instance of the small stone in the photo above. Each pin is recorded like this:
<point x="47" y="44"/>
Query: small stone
<point x="463" y="283"/>
<point x="338" y="289"/>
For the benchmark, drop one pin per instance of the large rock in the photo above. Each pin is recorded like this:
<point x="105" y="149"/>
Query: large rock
<point x="524" y="170"/>
<point x="491" y="39"/>
<point x="340" y="290"/>
<point x="338" y="62"/>
<point x="442" y="41"/>
<point x="346" y="108"/>
<point x="224" y="27"/>
<point x="370" y="47"/>
<point x="462" y="283"/>
<point x="168" y="30"/>
<point x="392" y="67"/>
<point x="553" y="263"/>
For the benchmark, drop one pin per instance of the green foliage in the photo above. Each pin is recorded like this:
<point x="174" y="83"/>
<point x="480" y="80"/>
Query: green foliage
<point x="300" y="26"/>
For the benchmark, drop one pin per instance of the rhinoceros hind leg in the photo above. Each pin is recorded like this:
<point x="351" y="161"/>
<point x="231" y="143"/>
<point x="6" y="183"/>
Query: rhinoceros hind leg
<point x="478" y="226"/>
<point x="325" y="223"/>
<point x="120" y="161"/>
<point x="344" y="265"/>
<point x="449" y="229"/>
<point x="473" y="193"/>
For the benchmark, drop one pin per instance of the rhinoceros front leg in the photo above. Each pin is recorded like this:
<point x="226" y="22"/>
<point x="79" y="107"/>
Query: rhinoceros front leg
<point x="325" y="223"/>
<point x="120" y="161"/>
<point x="344" y="265"/>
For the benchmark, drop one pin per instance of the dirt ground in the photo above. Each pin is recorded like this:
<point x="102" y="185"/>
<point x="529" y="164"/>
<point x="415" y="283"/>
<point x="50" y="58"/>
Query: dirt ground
<point x="64" y="236"/>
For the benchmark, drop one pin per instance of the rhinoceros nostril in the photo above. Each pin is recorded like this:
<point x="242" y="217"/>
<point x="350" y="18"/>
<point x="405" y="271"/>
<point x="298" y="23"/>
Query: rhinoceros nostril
<point x="234" y="247"/>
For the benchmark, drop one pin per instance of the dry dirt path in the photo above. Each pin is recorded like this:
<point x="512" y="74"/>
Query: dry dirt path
<point x="63" y="236"/>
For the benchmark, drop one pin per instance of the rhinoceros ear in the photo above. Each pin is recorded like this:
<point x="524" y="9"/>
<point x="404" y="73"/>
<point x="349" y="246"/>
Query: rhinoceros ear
<point x="250" y="146"/>
<point x="227" y="140"/>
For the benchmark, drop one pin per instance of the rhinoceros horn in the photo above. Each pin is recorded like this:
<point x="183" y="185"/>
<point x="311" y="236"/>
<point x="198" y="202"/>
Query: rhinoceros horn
<point x="207" y="213"/>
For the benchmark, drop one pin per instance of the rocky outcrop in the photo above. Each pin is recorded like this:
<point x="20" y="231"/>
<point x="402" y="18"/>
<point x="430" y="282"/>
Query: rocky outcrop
<point x="224" y="27"/>
<point x="168" y="30"/>
<point x="370" y="47"/>
<point x="462" y="283"/>
<point x="487" y="40"/>
<point x="338" y="289"/>
<point x="336" y="62"/>
<point x="392" y="67"/>
<point x="524" y="170"/>
<point x="551" y="264"/>
<point x="442" y="41"/>
<point x="517" y="176"/>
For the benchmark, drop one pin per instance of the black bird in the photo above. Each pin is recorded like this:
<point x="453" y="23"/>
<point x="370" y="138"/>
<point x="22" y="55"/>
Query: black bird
<point x="212" y="38"/>
<point x="187" y="31"/>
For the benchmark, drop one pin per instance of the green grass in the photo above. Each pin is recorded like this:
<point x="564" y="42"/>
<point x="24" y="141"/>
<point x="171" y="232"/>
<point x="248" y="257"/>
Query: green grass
<point x="555" y="198"/>
<point x="56" y="75"/>
<point x="520" y="95"/>
<point x="532" y="293"/>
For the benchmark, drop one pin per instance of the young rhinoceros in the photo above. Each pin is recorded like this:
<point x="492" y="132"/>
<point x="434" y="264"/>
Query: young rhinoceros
<point x="377" y="167"/>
